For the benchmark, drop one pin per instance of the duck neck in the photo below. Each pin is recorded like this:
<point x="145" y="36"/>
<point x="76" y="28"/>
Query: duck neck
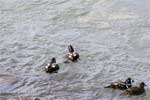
<point x="142" y="87"/>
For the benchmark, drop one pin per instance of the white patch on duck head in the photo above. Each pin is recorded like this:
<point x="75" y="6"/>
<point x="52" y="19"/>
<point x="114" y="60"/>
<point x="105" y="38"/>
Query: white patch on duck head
<point x="70" y="56"/>
<point x="46" y="67"/>
<point x="74" y="54"/>
<point x="53" y="66"/>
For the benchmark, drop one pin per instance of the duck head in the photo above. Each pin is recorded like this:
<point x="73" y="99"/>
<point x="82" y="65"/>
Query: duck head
<point x="70" y="48"/>
<point x="129" y="82"/>
<point x="53" y="60"/>
<point x="142" y="85"/>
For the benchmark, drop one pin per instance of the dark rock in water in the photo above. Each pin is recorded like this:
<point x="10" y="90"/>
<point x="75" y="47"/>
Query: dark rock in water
<point x="26" y="98"/>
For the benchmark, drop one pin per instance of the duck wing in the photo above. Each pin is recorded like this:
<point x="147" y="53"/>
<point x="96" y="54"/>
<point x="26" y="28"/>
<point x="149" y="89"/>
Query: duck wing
<point x="133" y="89"/>
<point x="112" y="85"/>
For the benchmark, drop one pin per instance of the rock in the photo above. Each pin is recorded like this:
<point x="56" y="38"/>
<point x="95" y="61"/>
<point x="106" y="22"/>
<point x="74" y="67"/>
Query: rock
<point x="27" y="98"/>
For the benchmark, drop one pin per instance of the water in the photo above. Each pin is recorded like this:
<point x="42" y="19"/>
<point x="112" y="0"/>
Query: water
<point x="112" y="37"/>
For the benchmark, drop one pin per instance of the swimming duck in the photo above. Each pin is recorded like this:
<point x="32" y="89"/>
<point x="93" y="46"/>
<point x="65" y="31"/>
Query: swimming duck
<point x="52" y="67"/>
<point x="121" y="85"/>
<point x="72" y="55"/>
<point x="135" y="90"/>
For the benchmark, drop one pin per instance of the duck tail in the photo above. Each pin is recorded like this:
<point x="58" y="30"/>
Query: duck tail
<point x="108" y="86"/>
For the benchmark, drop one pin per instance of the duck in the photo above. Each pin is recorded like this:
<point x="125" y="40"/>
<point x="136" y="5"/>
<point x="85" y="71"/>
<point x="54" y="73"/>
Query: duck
<point x="135" y="90"/>
<point x="72" y="55"/>
<point x="121" y="85"/>
<point x="52" y="67"/>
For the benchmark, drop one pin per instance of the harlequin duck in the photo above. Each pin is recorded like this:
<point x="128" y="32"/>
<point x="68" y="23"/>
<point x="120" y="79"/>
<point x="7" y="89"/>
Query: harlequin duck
<point x="72" y="55"/>
<point x="121" y="85"/>
<point x="52" y="67"/>
<point x="135" y="90"/>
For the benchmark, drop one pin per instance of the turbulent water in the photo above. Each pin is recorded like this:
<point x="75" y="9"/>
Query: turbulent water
<point x="111" y="36"/>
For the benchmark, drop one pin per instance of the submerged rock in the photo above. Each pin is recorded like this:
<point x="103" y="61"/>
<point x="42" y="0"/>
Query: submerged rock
<point x="6" y="79"/>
